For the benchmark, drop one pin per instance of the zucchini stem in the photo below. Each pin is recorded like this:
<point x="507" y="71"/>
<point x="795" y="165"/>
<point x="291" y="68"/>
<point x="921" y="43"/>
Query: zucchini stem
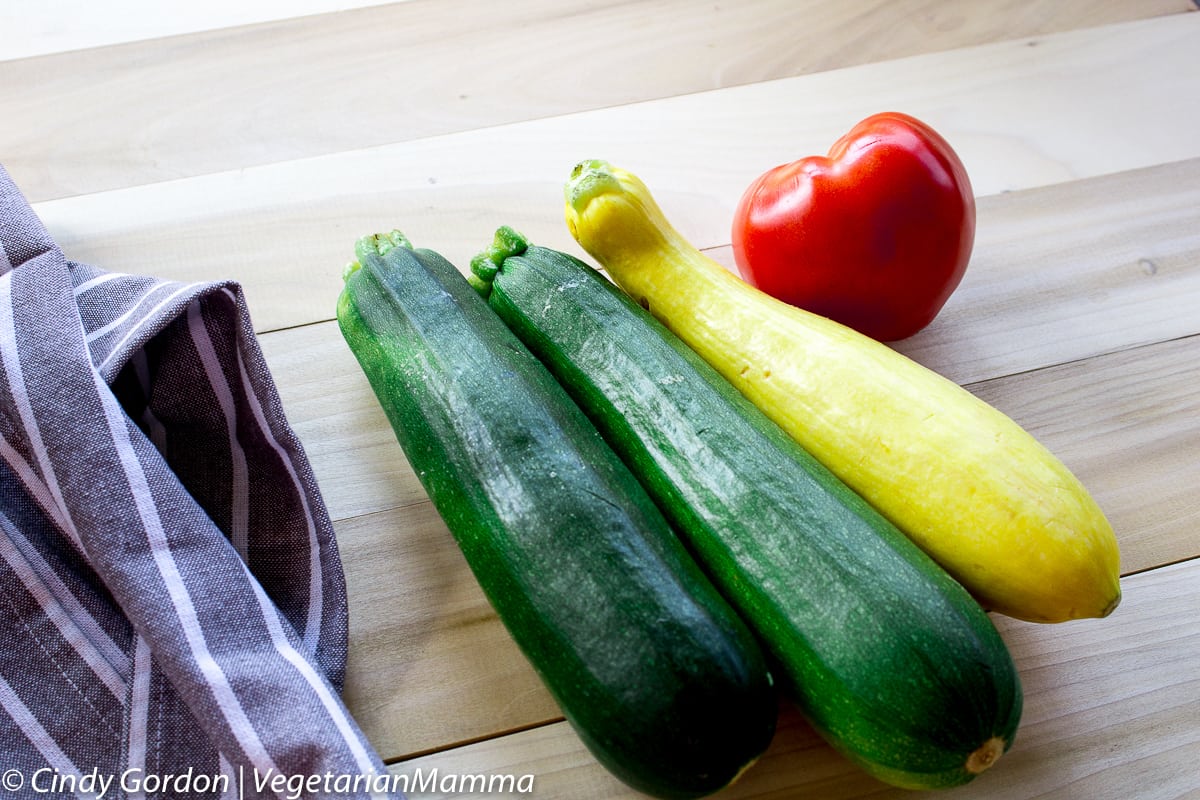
<point x="485" y="265"/>
<point x="376" y="244"/>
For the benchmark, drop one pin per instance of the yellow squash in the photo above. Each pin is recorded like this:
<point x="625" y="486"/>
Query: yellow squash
<point x="972" y="488"/>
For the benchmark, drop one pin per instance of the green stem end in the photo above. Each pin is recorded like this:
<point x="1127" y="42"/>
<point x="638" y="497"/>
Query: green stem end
<point x="506" y="243"/>
<point x="376" y="244"/>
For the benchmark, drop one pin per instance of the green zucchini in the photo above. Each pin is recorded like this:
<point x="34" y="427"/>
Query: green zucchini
<point x="888" y="657"/>
<point x="659" y="676"/>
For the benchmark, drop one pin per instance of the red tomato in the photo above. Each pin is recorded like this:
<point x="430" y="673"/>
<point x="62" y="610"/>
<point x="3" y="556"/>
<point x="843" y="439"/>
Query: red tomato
<point x="876" y="235"/>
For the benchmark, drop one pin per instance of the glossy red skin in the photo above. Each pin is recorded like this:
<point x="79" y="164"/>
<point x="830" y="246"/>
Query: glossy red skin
<point x="876" y="235"/>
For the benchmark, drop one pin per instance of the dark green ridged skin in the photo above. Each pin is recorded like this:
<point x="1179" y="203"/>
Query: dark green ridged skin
<point x="659" y="676"/>
<point x="888" y="657"/>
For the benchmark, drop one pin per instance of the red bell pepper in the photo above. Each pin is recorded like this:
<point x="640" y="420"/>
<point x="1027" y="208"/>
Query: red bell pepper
<point x="875" y="235"/>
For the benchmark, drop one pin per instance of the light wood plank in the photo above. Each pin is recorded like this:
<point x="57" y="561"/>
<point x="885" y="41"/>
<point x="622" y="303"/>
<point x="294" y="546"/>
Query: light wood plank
<point x="292" y="88"/>
<point x="1014" y="113"/>
<point x="1073" y="270"/>
<point x="1125" y="423"/>
<point x="429" y="662"/>
<point x="43" y="27"/>
<point x="1110" y="714"/>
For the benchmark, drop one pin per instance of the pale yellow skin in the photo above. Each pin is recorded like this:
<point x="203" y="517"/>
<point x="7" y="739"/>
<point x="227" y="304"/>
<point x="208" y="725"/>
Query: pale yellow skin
<point x="972" y="488"/>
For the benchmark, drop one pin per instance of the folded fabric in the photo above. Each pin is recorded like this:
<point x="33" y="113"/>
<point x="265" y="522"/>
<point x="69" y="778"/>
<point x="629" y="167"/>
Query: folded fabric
<point x="172" y="601"/>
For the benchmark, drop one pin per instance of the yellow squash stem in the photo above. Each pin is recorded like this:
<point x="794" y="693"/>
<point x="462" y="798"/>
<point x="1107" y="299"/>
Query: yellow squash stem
<point x="977" y="492"/>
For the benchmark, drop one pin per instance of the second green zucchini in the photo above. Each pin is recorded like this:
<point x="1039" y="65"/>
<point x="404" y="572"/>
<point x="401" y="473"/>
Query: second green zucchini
<point x="890" y="658"/>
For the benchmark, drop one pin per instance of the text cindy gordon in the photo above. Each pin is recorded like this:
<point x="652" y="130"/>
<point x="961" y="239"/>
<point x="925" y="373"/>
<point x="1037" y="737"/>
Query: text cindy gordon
<point x="290" y="787"/>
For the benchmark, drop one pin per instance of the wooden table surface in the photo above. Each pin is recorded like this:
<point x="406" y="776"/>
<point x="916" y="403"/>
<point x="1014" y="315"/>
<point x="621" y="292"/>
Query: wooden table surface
<point x="255" y="140"/>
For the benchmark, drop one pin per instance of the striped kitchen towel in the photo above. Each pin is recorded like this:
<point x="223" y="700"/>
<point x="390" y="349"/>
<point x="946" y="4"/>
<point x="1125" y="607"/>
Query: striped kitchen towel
<point x="172" y="603"/>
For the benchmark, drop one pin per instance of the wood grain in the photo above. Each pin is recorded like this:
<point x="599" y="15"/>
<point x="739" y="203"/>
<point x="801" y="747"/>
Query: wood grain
<point x="34" y="28"/>
<point x="1091" y="726"/>
<point x="1012" y="111"/>
<point x="230" y="98"/>
<point x="1073" y="270"/>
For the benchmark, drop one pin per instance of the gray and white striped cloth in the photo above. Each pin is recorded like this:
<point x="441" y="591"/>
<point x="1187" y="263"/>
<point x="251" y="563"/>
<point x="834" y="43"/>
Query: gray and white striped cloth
<point x="172" y="601"/>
